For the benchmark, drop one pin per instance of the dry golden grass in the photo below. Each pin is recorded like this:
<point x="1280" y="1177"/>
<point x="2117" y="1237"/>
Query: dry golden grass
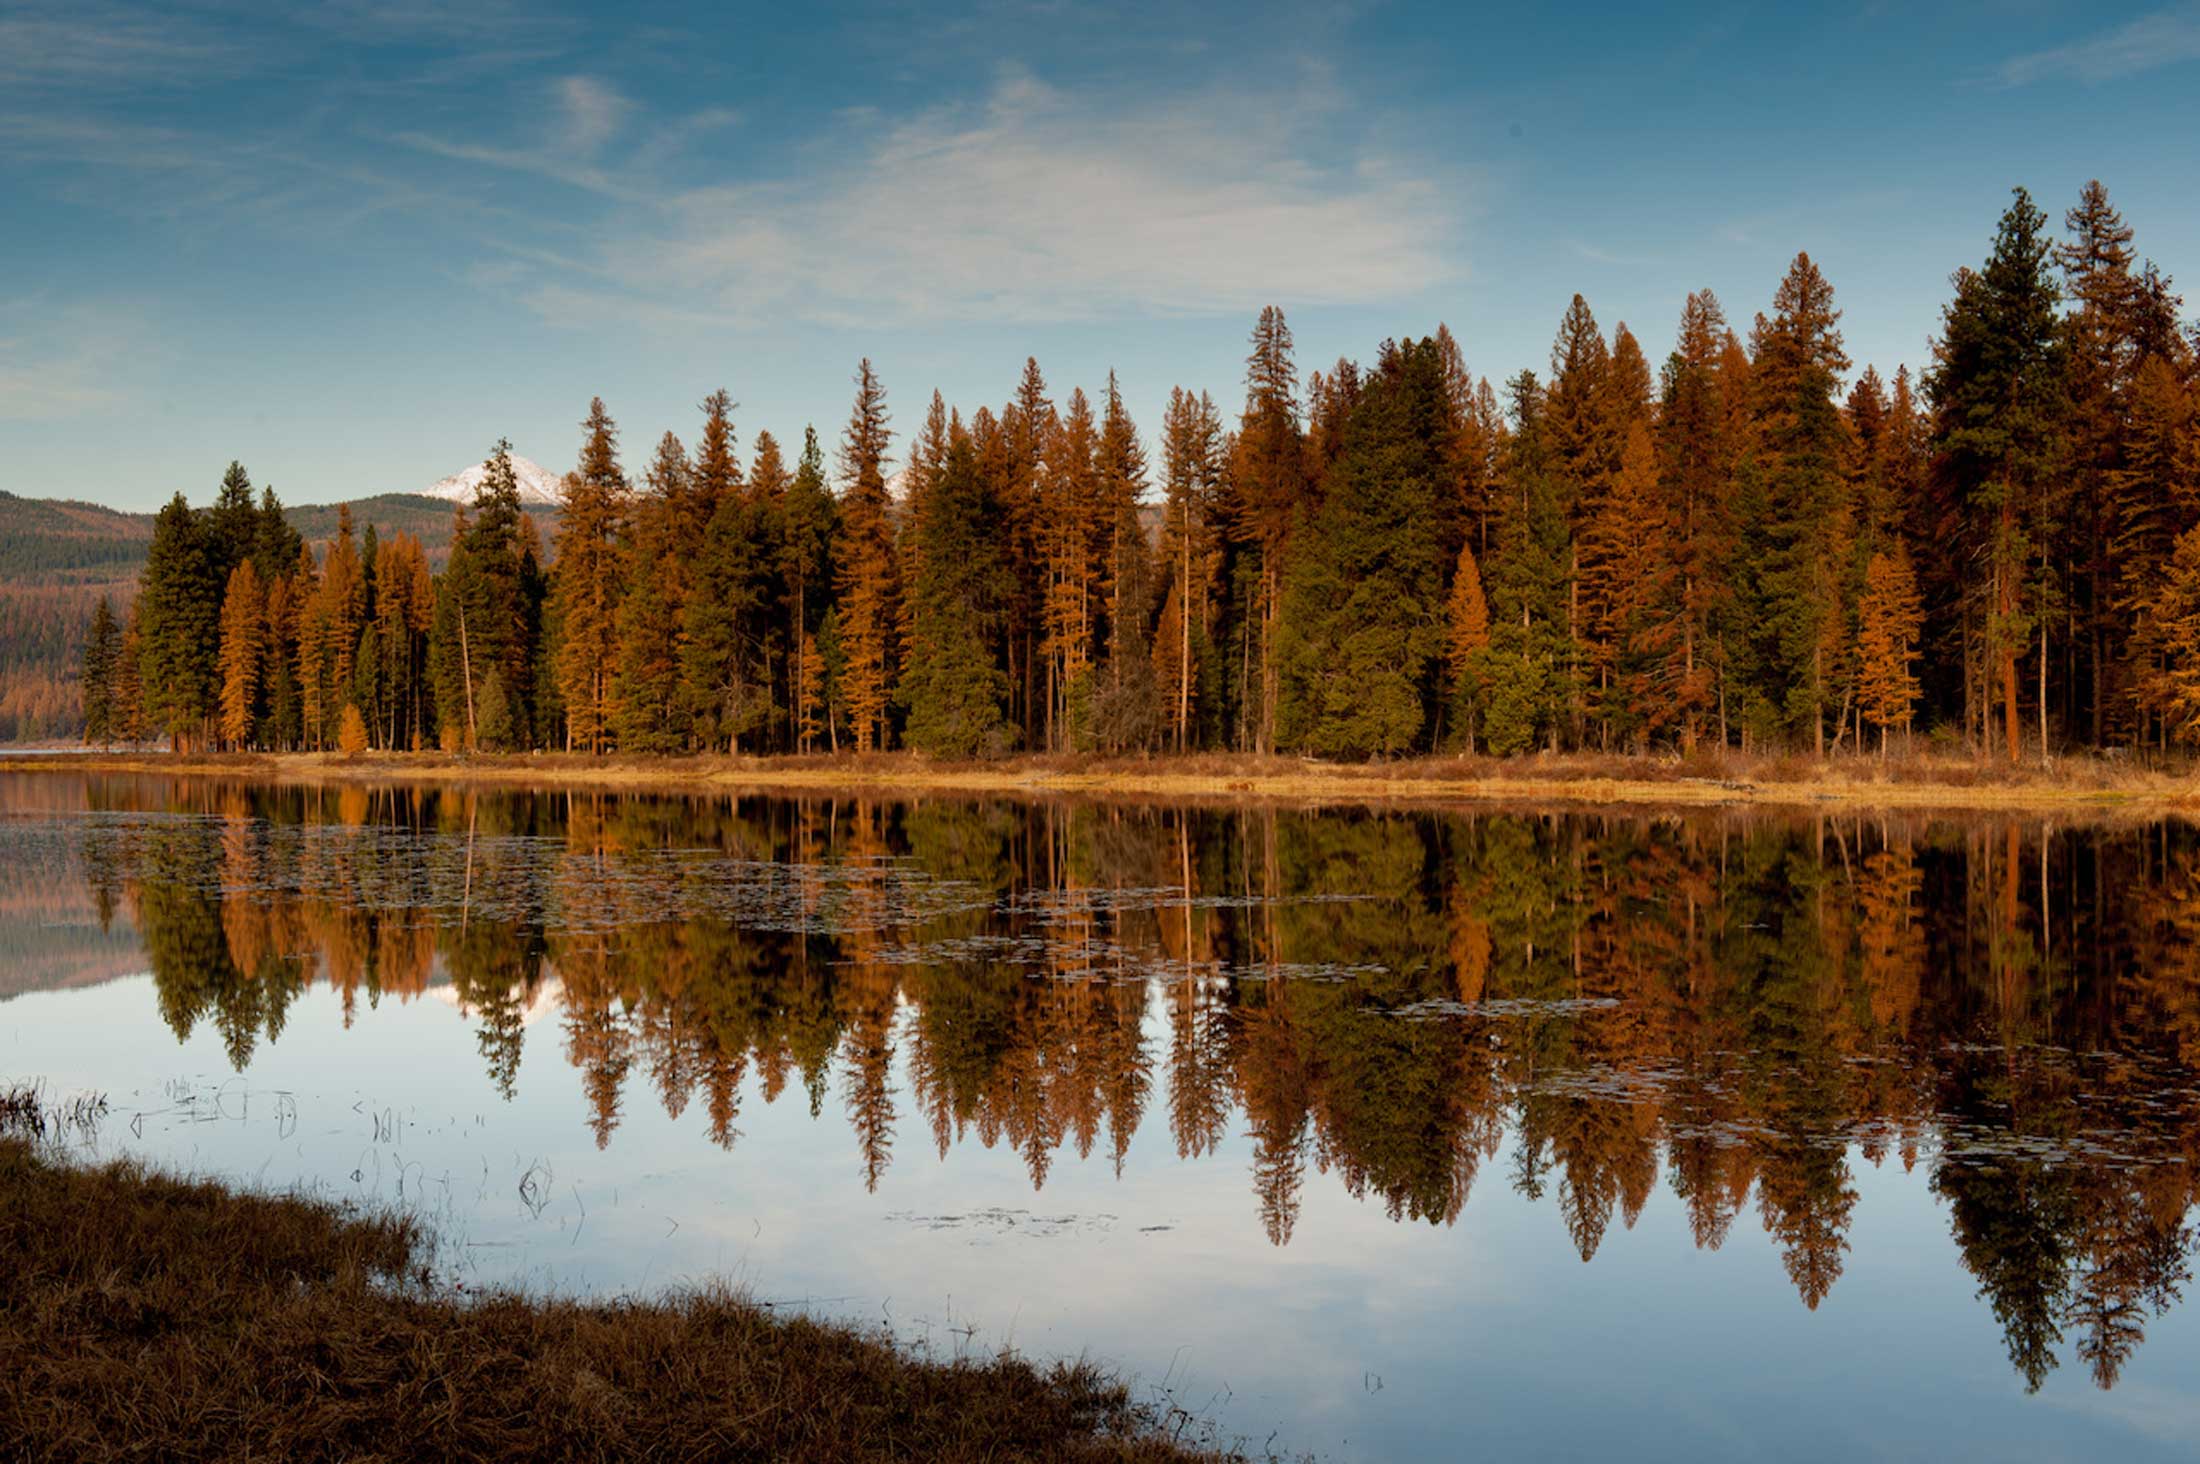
<point x="1924" y="780"/>
<point x="146" y="1317"/>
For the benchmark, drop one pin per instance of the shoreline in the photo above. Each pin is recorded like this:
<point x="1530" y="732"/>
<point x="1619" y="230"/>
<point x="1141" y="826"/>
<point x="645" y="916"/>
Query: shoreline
<point x="152" y="1313"/>
<point x="2088" y="785"/>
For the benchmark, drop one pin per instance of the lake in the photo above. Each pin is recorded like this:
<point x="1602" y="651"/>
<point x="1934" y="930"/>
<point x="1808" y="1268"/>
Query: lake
<point x="1706" y="1134"/>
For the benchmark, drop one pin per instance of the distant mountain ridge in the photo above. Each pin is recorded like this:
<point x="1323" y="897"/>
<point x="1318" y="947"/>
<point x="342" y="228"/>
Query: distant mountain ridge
<point x="58" y="557"/>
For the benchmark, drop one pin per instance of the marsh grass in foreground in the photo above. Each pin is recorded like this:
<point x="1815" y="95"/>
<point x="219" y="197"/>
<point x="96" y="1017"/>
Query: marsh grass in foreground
<point x="144" y="1316"/>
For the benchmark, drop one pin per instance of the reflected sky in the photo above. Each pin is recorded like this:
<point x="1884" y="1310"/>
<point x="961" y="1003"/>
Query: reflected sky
<point x="1405" y="1135"/>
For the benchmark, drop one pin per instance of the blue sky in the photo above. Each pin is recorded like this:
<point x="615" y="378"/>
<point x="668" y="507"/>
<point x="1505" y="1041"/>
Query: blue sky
<point x="354" y="243"/>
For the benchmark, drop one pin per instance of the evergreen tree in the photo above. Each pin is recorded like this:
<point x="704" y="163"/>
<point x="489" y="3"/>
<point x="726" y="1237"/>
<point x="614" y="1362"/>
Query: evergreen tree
<point x="1627" y="558"/>
<point x="1191" y="454"/>
<point x="96" y="679"/>
<point x="805" y="571"/>
<point x="1695" y="483"/>
<point x="366" y="692"/>
<point x="1997" y="387"/>
<point x="1027" y="426"/>
<point x="495" y="727"/>
<point x="233" y="525"/>
<point x="130" y="724"/>
<point x="1269" y="490"/>
<point x="726" y="682"/>
<point x="274" y="542"/>
<point x="864" y="567"/>
<point x="488" y="610"/>
<point x="770" y="488"/>
<point x="717" y="474"/>
<point x="652" y="710"/>
<point x="587" y="581"/>
<point x="404" y="613"/>
<point x="954" y="686"/>
<point x="1128" y="710"/>
<point x="1530" y="663"/>
<point x="927" y="461"/>
<point x="1365" y="606"/>
<point x="1069" y="546"/>
<point x="1797" y="546"/>
<point x="179" y="626"/>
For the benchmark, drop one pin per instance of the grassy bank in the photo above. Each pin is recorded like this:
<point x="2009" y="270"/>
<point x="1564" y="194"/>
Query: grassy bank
<point x="144" y="1316"/>
<point x="1920" y="781"/>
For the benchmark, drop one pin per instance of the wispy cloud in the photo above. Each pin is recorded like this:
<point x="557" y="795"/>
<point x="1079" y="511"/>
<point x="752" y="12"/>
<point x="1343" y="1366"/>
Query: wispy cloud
<point x="2164" y="38"/>
<point x="542" y="162"/>
<point x="1042" y="204"/>
<point x="94" y="44"/>
<point x="562" y="144"/>
<point x="592" y="114"/>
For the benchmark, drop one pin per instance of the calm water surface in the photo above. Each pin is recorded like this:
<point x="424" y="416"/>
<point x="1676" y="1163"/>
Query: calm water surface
<point x="1478" y="1135"/>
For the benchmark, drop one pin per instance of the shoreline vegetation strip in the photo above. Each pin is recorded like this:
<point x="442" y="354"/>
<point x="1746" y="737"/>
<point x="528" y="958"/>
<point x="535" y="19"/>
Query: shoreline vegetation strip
<point x="2081" y="785"/>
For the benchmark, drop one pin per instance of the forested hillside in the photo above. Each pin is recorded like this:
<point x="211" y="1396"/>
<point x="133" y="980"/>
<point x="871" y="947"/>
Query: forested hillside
<point x="1752" y="541"/>
<point x="59" y="558"/>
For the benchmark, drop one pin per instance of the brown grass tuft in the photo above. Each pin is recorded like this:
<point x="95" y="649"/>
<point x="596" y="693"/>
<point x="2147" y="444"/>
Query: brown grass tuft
<point x="144" y="1316"/>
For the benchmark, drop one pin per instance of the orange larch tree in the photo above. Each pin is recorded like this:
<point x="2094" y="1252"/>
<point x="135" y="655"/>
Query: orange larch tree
<point x="244" y="633"/>
<point x="1888" y="622"/>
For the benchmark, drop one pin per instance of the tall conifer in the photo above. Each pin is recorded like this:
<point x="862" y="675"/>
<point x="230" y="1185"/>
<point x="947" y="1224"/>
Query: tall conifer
<point x="587" y="581"/>
<point x="864" y="568"/>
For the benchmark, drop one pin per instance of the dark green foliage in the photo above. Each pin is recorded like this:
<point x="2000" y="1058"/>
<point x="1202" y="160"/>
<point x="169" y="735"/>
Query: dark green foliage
<point x="726" y="682"/>
<point x="496" y="728"/>
<point x="233" y="524"/>
<point x="102" y="657"/>
<point x="275" y="542"/>
<point x="1792" y="499"/>
<point x="1528" y="670"/>
<point x="953" y="686"/>
<point x="488" y="614"/>
<point x="1363" y="606"/>
<point x="179" y="624"/>
<point x="652" y="715"/>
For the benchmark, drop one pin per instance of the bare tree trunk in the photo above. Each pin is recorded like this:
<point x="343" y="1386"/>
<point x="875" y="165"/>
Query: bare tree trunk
<point x="466" y="672"/>
<point x="1184" y="627"/>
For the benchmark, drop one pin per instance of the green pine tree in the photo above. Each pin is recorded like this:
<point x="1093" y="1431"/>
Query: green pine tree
<point x="1364" y="609"/>
<point x="102" y="652"/>
<point x="953" y="685"/>
<point x="179" y="625"/>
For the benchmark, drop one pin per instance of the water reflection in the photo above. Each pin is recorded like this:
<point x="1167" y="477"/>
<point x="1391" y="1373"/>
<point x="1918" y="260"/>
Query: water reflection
<point x="1405" y="1005"/>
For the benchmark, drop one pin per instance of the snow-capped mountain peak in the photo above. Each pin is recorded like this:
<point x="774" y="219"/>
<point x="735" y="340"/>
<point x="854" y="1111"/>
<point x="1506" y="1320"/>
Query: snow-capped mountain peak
<point x="537" y="484"/>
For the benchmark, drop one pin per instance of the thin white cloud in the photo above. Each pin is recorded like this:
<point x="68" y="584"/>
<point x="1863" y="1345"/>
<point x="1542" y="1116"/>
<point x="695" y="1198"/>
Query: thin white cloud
<point x="2164" y="38"/>
<point x="408" y="21"/>
<point x="592" y="114"/>
<point x="92" y="44"/>
<point x="1043" y="205"/>
<point x="542" y="162"/>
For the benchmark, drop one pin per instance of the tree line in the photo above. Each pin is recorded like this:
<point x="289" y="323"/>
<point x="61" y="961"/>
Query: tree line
<point x="1739" y="547"/>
